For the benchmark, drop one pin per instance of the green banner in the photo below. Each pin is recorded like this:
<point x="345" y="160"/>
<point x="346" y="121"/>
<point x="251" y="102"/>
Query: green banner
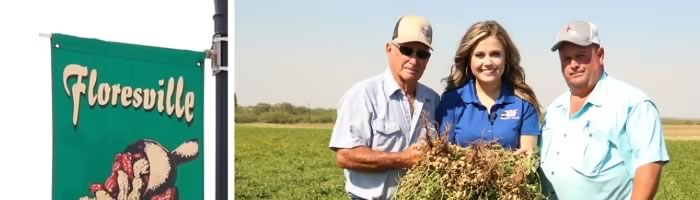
<point x="127" y="121"/>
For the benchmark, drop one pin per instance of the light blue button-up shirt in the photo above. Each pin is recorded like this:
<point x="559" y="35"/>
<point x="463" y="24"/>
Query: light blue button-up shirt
<point x="375" y="113"/>
<point x="593" y="154"/>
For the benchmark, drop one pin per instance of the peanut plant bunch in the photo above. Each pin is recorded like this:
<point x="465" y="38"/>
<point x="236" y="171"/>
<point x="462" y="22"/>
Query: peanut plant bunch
<point x="482" y="170"/>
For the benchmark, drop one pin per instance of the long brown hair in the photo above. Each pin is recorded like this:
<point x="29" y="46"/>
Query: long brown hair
<point x="514" y="74"/>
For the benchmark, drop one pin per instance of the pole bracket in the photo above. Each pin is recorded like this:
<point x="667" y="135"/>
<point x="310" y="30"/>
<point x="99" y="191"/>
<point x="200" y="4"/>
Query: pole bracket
<point x="215" y="54"/>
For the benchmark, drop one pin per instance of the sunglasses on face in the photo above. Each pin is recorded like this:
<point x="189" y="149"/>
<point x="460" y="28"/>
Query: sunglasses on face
<point x="408" y="51"/>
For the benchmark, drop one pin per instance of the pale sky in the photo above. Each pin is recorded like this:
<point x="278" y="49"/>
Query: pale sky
<point x="310" y="52"/>
<point x="26" y="82"/>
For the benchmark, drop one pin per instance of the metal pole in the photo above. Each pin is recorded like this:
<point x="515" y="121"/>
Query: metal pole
<point x="221" y="30"/>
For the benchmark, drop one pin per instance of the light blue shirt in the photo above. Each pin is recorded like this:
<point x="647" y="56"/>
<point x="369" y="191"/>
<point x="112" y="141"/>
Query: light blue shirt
<point x="375" y="113"/>
<point x="594" y="153"/>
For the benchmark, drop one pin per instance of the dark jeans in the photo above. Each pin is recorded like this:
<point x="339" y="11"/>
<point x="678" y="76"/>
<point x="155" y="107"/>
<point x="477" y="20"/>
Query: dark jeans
<point x="353" y="197"/>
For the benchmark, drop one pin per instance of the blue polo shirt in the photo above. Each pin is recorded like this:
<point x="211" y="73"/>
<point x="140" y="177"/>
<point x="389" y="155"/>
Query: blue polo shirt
<point x="468" y="119"/>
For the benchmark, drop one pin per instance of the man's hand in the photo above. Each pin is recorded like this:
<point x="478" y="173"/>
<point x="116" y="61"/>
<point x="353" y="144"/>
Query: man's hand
<point x="411" y="155"/>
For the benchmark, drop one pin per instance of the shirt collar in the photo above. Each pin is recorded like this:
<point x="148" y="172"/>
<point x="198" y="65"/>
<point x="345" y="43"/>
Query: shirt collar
<point x="468" y="93"/>
<point x="598" y="93"/>
<point x="595" y="97"/>
<point x="390" y="85"/>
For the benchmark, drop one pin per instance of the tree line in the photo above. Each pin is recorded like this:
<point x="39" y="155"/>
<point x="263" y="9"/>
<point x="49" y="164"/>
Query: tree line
<point x="286" y="113"/>
<point x="283" y="113"/>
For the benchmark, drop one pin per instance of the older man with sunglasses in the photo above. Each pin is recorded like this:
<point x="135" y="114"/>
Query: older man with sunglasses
<point x="379" y="119"/>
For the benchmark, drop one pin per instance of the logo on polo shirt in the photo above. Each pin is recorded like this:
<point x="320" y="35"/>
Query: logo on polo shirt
<point x="510" y="114"/>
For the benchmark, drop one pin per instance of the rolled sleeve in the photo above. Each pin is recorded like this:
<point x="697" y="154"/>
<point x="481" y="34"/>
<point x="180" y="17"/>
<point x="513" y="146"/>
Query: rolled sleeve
<point x="646" y="134"/>
<point x="352" y="127"/>
<point x="531" y="123"/>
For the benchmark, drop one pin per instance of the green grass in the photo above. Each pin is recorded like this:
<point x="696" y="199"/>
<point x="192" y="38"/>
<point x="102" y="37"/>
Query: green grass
<point x="295" y="163"/>
<point x="286" y="163"/>
<point x="680" y="178"/>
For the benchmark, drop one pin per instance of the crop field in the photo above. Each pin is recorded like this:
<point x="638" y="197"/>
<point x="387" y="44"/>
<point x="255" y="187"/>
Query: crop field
<point x="294" y="162"/>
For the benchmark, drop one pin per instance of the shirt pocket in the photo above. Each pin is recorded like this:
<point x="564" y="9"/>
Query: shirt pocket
<point x="386" y="135"/>
<point x="592" y="153"/>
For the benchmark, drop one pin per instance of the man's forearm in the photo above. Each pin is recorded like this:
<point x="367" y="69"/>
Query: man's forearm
<point x="365" y="159"/>
<point x="646" y="181"/>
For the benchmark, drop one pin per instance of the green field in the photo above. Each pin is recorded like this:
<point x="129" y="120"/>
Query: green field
<point x="286" y="163"/>
<point x="277" y="162"/>
<point x="681" y="176"/>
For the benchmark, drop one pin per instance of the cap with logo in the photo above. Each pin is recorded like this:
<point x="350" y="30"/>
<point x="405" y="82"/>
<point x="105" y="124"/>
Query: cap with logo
<point x="411" y="28"/>
<point x="578" y="32"/>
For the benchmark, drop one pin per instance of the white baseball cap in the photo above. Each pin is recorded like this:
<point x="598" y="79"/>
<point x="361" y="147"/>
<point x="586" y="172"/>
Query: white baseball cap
<point x="578" y="32"/>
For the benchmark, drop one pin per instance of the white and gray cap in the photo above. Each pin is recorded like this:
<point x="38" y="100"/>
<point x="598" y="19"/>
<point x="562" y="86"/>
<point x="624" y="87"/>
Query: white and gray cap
<point x="578" y="32"/>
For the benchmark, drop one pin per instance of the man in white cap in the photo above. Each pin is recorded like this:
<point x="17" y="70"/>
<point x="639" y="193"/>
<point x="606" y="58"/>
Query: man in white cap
<point x="379" y="119"/>
<point x="603" y="138"/>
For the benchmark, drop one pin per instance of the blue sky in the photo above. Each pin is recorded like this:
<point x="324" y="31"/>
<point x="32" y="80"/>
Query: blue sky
<point x="310" y="52"/>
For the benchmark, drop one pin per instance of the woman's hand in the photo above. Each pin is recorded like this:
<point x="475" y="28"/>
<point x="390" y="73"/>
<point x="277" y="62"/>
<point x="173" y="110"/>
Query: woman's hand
<point x="527" y="144"/>
<point x="526" y="151"/>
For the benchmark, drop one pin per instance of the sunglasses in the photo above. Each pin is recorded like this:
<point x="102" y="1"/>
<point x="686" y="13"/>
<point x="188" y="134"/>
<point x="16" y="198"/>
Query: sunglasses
<point x="408" y="51"/>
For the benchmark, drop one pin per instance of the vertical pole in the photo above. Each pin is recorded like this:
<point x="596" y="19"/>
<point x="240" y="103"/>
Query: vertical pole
<point x="221" y="30"/>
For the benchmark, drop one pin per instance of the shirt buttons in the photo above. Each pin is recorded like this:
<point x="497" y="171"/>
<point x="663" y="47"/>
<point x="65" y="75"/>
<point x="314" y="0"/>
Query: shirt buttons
<point x="552" y="172"/>
<point x="590" y="135"/>
<point x="557" y="153"/>
<point x="564" y="134"/>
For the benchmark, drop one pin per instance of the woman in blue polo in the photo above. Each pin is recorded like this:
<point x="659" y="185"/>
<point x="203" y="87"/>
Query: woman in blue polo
<point x="486" y="97"/>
